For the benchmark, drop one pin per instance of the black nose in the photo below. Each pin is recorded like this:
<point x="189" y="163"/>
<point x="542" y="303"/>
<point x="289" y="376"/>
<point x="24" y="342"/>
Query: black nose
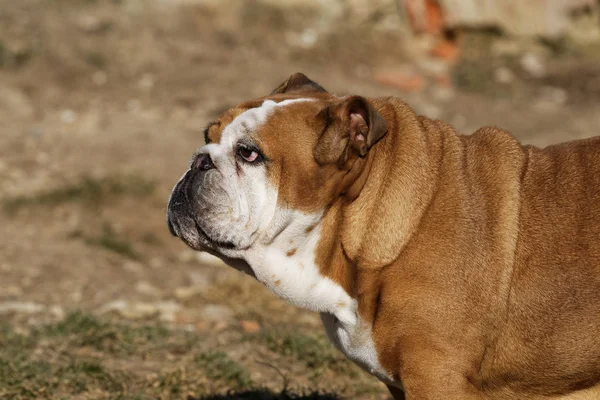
<point x="203" y="162"/>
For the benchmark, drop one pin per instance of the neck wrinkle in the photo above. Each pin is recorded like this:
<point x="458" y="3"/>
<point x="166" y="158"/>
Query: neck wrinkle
<point x="348" y="227"/>
<point x="367" y="279"/>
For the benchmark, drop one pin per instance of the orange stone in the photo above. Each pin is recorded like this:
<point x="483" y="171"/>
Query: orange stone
<point x="250" y="326"/>
<point x="405" y="81"/>
<point x="446" y="50"/>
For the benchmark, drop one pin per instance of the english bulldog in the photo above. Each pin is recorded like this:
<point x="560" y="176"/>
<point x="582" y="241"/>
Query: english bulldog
<point x="448" y="266"/>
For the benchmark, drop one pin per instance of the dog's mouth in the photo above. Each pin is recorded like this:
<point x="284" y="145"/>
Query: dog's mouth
<point x="191" y="233"/>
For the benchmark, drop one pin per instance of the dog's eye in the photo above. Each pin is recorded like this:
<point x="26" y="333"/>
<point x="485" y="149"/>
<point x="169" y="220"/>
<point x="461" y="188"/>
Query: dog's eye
<point x="248" y="154"/>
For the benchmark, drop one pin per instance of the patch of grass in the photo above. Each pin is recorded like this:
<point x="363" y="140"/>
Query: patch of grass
<point x="14" y="58"/>
<point x="75" y="323"/>
<point x="24" y="379"/>
<point x="111" y="241"/>
<point x="315" y="352"/>
<point x="151" y="239"/>
<point x="87" y="190"/>
<point x="218" y="366"/>
<point x="95" y="59"/>
<point x="3" y="54"/>
<point x="85" y="330"/>
<point x="80" y="375"/>
<point x="85" y="357"/>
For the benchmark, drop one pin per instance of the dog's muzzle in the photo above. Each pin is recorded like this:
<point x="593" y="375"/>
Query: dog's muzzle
<point x="182" y="211"/>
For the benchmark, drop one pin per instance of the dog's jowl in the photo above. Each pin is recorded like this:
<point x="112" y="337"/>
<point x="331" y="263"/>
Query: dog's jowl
<point x="448" y="266"/>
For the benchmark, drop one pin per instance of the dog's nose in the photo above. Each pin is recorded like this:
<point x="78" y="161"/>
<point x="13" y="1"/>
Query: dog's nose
<point x="203" y="162"/>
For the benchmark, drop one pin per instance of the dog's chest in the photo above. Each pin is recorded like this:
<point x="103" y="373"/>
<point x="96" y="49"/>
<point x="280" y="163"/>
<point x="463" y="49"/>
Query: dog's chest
<point x="356" y="342"/>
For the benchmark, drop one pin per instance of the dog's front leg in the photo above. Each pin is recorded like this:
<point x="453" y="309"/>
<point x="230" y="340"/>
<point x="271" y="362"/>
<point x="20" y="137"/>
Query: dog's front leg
<point x="430" y="379"/>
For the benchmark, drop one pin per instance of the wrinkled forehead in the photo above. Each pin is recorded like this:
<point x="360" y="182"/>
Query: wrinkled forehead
<point x="248" y="119"/>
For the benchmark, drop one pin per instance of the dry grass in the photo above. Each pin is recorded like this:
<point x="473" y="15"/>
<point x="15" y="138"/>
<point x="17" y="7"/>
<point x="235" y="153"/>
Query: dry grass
<point x="86" y="357"/>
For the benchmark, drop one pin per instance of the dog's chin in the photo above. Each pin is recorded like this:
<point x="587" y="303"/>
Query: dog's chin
<point x="197" y="238"/>
<point x="199" y="241"/>
<point x="191" y="233"/>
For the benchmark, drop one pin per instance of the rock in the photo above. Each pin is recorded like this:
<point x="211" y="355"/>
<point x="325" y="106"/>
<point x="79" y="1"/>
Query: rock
<point x="168" y="310"/>
<point x="216" y="312"/>
<point x="16" y="102"/>
<point x="134" y="105"/>
<point x="68" y="116"/>
<point x="113" y="306"/>
<point x="532" y="64"/>
<point x="165" y="310"/>
<point x="92" y="24"/>
<point x="156" y="263"/>
<point x="147" y="289"/>
<point x="403" y="79"/>
<point x="146" y="82"/>
<point x="12" y="291"/>
<point x="516" y="17"/>
<point x="100" y="78"/>
<point x="24" y="307"/>
<point x="305" y="39"/>
<point x="433" y="66"/>
<point x="250" y="326"/>
<point x="220" y="326"/>
<point x="133" y="266"/>
<point x="551" y="97"/>
<point x="430" y="110"/>
<point x="446" y="50"/>
<point x="200" y="278"/>
<point x="459" y="121"/>
<point x="506" y="47"/>
<point x="187" y="292"/>
<point x="57" y="311"/>
<point x="555" y="94"/>
<point x="443" y="93"/>
<point x="76" y="296"/>
<point x="139" y="311"/>
<point x="503" y="75"/>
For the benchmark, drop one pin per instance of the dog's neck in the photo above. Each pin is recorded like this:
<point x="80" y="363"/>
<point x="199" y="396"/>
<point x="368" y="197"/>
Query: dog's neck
<point x="328" y="260"/>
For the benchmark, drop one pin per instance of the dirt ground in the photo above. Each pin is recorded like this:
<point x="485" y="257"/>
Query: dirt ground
<point x="101" y="105"/>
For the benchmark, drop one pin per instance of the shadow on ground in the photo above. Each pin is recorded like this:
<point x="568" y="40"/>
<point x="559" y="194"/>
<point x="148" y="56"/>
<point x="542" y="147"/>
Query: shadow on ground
<point x="264" y="394"/>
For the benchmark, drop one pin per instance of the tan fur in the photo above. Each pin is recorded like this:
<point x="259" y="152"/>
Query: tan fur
<point x="475" y="260"/>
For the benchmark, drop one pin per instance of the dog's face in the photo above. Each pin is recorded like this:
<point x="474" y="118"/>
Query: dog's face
<point x="267" y="161"/>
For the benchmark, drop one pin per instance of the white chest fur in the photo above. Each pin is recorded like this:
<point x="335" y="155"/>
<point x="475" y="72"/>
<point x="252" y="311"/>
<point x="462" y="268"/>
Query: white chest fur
<point x="356" y="342"/>
<point x="287" y="267"/>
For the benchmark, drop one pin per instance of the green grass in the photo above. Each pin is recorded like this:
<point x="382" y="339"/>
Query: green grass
<point x="84" y="330"/>
<point x="86" y="357"/>
<point x="314" y="351"/>
<point x="87" y="190"/>
<point x="111" y="241"/>
<point x="220" y="367"/>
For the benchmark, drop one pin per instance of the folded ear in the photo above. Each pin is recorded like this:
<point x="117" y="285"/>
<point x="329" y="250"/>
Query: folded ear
<point x="352" y="127"/>
<point x="298" y="83"/>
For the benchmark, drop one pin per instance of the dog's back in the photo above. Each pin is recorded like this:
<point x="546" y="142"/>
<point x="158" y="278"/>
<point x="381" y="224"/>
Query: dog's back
<point x="553" y="316"/>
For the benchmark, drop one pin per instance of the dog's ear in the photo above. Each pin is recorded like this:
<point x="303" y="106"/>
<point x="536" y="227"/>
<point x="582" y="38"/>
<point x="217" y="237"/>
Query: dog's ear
<point x="298" y="83"/>
<point x="352" y="127"/>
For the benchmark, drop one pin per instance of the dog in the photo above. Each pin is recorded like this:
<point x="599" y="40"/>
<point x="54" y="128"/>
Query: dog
<point x="448" y="266"/>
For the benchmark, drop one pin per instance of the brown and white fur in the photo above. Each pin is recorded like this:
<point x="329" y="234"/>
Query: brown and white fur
<point x="448" y="266"/>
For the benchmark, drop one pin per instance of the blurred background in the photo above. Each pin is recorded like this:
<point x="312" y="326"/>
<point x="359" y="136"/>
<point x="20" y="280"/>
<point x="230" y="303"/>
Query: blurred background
<point x="102" y="102"/>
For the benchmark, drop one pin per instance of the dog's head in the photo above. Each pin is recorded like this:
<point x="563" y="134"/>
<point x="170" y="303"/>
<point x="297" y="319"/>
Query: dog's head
<point x="269" y="160"/>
